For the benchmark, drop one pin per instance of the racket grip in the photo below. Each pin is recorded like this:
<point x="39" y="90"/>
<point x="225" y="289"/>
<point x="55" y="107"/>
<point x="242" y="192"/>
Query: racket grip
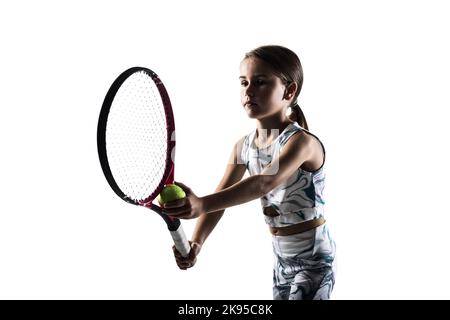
<point x="181" y="242"/>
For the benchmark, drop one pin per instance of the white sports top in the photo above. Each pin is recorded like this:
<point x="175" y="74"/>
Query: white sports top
<point x="296" y="200"/>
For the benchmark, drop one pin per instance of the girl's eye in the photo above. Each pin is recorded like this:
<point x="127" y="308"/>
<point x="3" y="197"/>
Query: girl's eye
<point x="257" y="82"/>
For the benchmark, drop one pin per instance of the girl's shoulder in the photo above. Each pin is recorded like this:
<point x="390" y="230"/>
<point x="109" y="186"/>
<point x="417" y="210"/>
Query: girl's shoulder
<point x="299" y="131"/>
<point x="288" y="132"/>
<point x="246" y="141"/>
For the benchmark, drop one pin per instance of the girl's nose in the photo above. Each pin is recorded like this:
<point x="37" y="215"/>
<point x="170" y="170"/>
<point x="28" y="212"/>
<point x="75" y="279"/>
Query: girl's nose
<point x="249" y="92"/>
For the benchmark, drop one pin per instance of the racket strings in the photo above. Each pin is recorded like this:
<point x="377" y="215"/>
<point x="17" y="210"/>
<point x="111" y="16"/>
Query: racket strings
<point x="136" y="137"/>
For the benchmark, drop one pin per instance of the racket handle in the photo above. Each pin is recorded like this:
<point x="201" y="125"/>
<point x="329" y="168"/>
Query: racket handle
<point x="181" y="242"/>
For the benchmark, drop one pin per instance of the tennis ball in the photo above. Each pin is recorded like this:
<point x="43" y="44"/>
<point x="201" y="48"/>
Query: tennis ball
<point x="171" y="192"/>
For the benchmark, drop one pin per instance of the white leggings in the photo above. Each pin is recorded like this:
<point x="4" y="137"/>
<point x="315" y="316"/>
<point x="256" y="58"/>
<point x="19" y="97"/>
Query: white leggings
<point x="303" y="265"/>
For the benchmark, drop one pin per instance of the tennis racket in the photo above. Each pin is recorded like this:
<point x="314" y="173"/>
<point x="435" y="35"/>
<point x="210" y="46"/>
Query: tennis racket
<point x="136" y="143"/>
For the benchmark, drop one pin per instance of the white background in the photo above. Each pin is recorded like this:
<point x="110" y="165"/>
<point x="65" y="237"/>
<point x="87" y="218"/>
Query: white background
<point x="376" y="92"/>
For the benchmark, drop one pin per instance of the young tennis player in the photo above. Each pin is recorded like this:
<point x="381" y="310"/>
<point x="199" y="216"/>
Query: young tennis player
<point x="286" y="166"/>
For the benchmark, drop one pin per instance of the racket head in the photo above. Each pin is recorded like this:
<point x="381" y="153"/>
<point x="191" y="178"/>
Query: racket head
<point x="136" y="136"/>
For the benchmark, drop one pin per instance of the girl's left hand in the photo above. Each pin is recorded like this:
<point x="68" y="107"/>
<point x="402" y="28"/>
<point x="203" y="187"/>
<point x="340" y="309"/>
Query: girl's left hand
<point x="189" y="207"/>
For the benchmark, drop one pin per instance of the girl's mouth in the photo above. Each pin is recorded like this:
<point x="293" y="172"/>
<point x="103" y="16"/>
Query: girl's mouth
<point x="250" y="104"/>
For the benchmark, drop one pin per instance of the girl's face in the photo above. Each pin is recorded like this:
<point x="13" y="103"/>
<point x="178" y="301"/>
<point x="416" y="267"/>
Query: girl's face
<point x="262" y="92"/>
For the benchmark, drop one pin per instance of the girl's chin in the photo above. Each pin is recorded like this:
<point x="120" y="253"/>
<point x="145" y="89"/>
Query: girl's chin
<point x="252" y="112"/>
<point x="252" y="115"/>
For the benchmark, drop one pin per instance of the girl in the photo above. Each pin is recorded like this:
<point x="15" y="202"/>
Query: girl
<point x="285" y="162"/>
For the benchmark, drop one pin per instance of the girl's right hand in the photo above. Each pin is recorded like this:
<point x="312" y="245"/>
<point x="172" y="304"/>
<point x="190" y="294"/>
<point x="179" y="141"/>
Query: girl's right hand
<point x="189" y="261"/>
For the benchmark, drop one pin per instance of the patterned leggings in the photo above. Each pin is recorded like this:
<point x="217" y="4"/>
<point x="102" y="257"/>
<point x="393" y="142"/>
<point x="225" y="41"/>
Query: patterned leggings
<point x="303" y="265"/>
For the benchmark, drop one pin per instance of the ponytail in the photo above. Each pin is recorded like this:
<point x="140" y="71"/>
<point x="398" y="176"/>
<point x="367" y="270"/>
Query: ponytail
<point x="298" y="116"/>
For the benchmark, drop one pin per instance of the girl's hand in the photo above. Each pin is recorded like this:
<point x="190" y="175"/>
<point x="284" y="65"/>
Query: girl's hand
<point x="189" y="207"/>
<point x="189" y="261"/>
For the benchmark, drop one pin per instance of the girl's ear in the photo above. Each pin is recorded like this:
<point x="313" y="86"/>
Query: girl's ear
<point x="290" y="91"/>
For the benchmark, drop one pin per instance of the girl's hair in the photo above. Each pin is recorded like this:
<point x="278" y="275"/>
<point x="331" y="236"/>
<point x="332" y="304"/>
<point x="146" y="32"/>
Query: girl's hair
<point x="286" y="65"/>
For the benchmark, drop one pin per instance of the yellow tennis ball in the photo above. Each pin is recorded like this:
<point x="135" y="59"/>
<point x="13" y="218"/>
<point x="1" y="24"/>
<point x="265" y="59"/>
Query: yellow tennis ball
<point x="171" y="192"/>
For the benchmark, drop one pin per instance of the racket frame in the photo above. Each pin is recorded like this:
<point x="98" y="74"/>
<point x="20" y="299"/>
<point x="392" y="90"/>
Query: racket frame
<point x="168" y="175"/>
<point x="173" y="223"/>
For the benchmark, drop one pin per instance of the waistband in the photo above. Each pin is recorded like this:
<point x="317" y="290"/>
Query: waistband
<point x="297" y="228"/>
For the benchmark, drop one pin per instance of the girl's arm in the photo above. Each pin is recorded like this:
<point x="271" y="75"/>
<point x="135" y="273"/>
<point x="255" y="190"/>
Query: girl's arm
<point x="298" y="149"/>
<point x="234" y="172"/>
<point x="207" y="222"/>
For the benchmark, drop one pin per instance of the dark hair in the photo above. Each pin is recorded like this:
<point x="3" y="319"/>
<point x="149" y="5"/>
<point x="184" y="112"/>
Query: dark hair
<point x="286" y="65"/>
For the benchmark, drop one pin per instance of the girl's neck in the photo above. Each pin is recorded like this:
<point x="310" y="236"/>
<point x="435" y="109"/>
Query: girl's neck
<point x="269" y="128"/>
<point x="276" y="121"/>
